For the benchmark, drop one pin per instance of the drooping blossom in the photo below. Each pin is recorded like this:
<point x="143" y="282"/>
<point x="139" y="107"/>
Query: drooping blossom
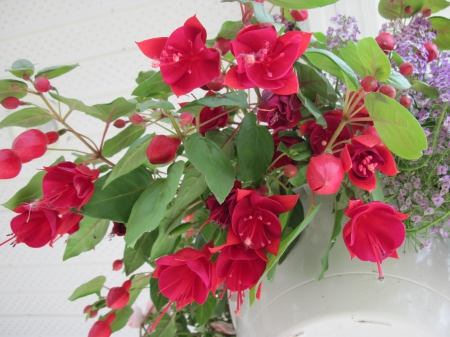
<point x="265" y="59"/>
<point x="185" y="61"/>
<point x="118" y="297"/>
<point x="30" y="145"/>
<point x="325" y="174"/>
<point x="362" y="157"/>
<point x="374" y="232"/>
<point x="68" y="185"/>
<point x="162" y="149"/>
<point x="69" y="224"/>
<point x="255" y="221"/>
<point x="221" y="213"/>
<point x="279" y="111"/>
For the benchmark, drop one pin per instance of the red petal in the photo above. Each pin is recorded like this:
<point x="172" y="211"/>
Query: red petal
<point x="195" y="23"/>
<point x="232" y="80"/>
<point x="368" y="184"/>
<point x="287" y="201"/>
<point x="243" y="193"/>
<point x="152" y="48"/>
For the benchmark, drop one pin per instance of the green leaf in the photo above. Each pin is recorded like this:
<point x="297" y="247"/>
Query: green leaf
<point x="21" y="67"/>
<point x="26" y="118"/>
<point x="91" y="232"/>
<point x="377" y="194"/>
<point x="396" y="126"/>
<point x="138" y="283"/>
<point x="393" y="9"/>
<point x="436" y="5"/>
<point x="165" y="105"/>
<point x="302" y="4"/>
<point x="210" y="160"/>
<point x="313" y="109"/>
<point x="132" y="159"/>
<point x="273" y="260"/>
<point x="158" y="299"/>
<point x="135" y="257"/>
<point x="52" y="72"/>
<point x="92" y="287"/>
<point x="350" y="55"/>
<point x="12" y="88"/>
<point x="144" y="75"/>
<point x="296" y="216"/>
<point x="310" y="78"/>
<point x="300" y="178"/>
<point x="298" y="152"/>
<point x="117" y="108"/>
<point x="151" y="206"/>
<point x="32" y="191"/>
<point x="338" y="215"/>
<point x="398" y="81"/>
<point x="235" y="99"/>
<point x="122" y="317"/>
<point x="374" y="60"/>
<point x="262" y="16"/>
<point x="115" y="201"/>
<point x="230" y="29"/>
<point x="397" y="58"/>
<point x="152" y="87"/>
<point x="122" y="140"/>
<point x="203" y="312"/>
<point x="442" y="27"/>
<point x="220" y="138"/>
<point x="77" y="105"/>
<point x="427" y="90"/>
<point x="166" y="327"/>
<point x="254" y="149"/>
<point x="326" y="60"/>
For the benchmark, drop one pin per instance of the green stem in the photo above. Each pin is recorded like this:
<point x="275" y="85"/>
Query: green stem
<point x="174" y="123"/>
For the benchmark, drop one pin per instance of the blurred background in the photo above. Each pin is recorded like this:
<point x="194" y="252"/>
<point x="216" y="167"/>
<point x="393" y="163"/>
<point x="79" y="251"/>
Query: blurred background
<point x="100" y="36"/>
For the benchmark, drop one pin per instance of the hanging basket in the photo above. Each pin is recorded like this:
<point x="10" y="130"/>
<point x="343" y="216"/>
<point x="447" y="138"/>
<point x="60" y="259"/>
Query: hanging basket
<point x="413" y="299"/>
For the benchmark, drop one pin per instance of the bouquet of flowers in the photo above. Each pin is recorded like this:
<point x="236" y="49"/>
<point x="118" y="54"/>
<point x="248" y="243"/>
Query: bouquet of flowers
<point x="218" y="136"/>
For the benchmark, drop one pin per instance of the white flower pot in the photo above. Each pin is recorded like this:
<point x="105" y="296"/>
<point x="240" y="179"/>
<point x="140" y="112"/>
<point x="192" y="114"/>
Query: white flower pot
<point x="413" y="300"/>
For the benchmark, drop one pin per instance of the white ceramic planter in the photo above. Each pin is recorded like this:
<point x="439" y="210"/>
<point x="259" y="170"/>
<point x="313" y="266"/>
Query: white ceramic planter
<point x="413" y="300"/>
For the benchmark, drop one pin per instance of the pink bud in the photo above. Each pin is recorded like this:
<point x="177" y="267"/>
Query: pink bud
<point x="10" y="102"/>
<point x="41" y="84"/>
<point x="325" y="174"/>
<point x="87" y="309"/>
<point x="290" y="171"/>
<point x="385" y="41"/>
<point x="30" y="145"/>
<point x="52" y="136"/>
<point x="93" y="313"/>
<point x="426" y="12"/>
<point x="126" y="285"/>
<point x="162" y="149"/>
<point x="388" y="91"/>
<point x="119" y="123"/>
<point x="10" y="164"/>
<point x="405" y="101"/>
<point x="299" y="15"/>
<point x="406" y="69"/>
<point x="433" y="52"/>
<point x="185" y="118"/>
<point x="136" y="119"/>
<point x="409" y="10"/>
<point x="117" y="265"/>
<point x="117" y="298"/>
<point x="223" y="45"/>
<point x="369" y="83"/>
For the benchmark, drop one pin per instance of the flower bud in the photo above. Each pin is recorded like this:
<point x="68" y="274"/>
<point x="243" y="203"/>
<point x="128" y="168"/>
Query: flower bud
<point x="117" y="265"/>
<point x="223" y="45"/>
<point x="10" y="164"/>
<point x="299" y="15"/>
<point x="87" y="309"/>
<point x="10" y="102"/>
<point x="406" y="69"/>
<point x="93" y="313"/>
<point x="52" y="136"/>
<point x="30" y="145"/>
<point x="433" y="52"/>
<point x="102" y="328"/>
<point x="117" y="298"/>
<point x="369" y="83"/>
<point x="426" y="12"/>
<point x="385" y="41"/>
<point x="325" y="174"/>
<point x="185" y="118"/>
<point x="119" y="123"/>
<point x="409" y="10"/>
<point x="262" y="190"/>
<point x="162" y="149"/>
<point x="136" y="119"/>
<point x="405" y="101"/>
<point x="388" y="91"/>
<point x="290" y="171"/>
<point x="217" y="83"/>
<point x="41" y="84"/>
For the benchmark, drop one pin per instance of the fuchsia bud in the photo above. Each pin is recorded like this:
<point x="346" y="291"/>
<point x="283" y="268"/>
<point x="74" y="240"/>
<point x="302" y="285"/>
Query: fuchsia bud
<point x="93" y="313"/>
<point x="102" y="328"/>
<point x="388" y="91"/>
<point x="433" y="52"/>
<point x="406" y="69"/>
<point x="52" y="137"/>
<point x="290" y="171"/>
<point x="408" y="10"/>
<point x="426" y="12"/>
<point x="117" y="265"/>
<point x="405" y="101"/>
<point x="185" y="118"/>
<point x="223" y="45"/>
<point x="10" y="102"/>
<point x="263" y="190"/>
<point x="217" y="83"/>
<point x="325" y="174"/>
<point x="369" y="83"/>
<point x="118" y="297"/>
<point x="385" y="41"/>
<point x="299" y="15"/>
<point x="136" y="119"/>
<point x="42" y="84"/>
<point x="162" y="149"/>
<point x="30" y="145"/>
<point x="87" y="309"/>
<point x="119" y="123"/>
<point x="10" y="164"/>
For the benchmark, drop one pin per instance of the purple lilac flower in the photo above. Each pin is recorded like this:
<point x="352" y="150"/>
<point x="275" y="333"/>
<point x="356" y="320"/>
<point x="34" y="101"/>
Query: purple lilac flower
<point x="416" y="218"/>
<point x="443" y="233"/>
<point x="429" y="211"/>
<point x="347" y="29"/>
<point x="426" y="245"/>
<point x="438" y="200"/>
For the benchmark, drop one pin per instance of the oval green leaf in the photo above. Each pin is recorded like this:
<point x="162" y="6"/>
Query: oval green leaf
<point x="398" y="81"/>
<point x="425" y="89"/>
<point x="374" y="60"/>
<point x="21" y="67"/>
<point x="26" y="118"/>
<point x="122" y="140"/>
<point x="91" y="287"/>
<point x="393" y="9"/>
<point x="397" y="127"/>
<point x="12" y="88"/>
<point x="52" y="72"/>
<point x="442" y="27"/>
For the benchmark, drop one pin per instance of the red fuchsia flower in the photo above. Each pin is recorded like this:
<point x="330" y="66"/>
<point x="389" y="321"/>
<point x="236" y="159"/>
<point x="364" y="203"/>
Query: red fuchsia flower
<point x="70" y="223"/>
<point x="103" y="328"/>
<point x="117" y="265"/>
<point x="374" y="231"/>
<point x="34" y="226"/>
<point x="280" y="112"/>
<point x="299" y="15"/>
<point x="241" y="268"/>
<point x="162" y="149"/>
<point x="320" y="137"/>
<point x="185" y="61"/>
<point x="325" y="174"/>
<point x="265" y="60"/>
<point x="213" y="117"/>
<point x="118" y="297"/>
<point x="30" y="145"/>
<point x="221" y="213"/>
<point x="10" y="164"/>
<point x="255" y="219"/>
<point x="362" y="157"/>
<point x="68" y="185"/>
<point x="282" y="160"/>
